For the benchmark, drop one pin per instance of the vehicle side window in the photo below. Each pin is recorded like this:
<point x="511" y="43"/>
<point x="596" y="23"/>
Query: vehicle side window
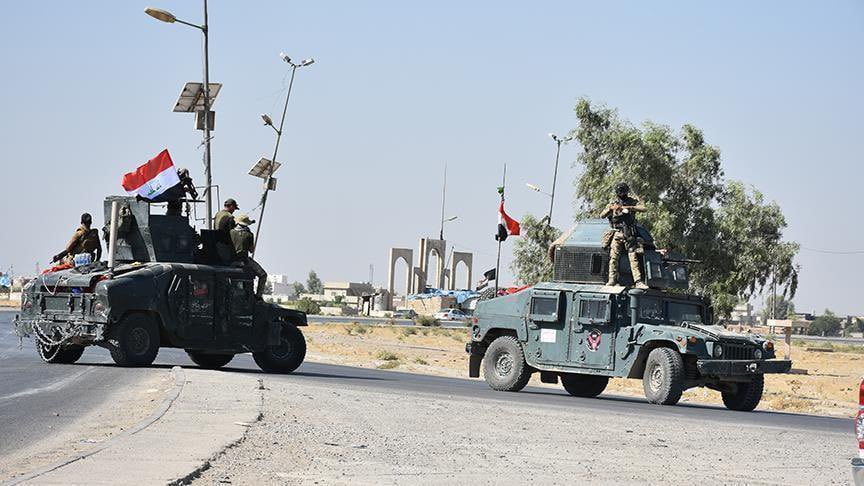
<point x="593" y="309"/>
<point x="240" y="293"/>
<point x="650" y="308"/>
<point x="545" y="306"/>
<point x="200" y="297"/>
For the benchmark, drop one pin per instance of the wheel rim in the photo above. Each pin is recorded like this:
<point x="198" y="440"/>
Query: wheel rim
<point x="139" y="340"/>
<point x="656" y="378"/>
<point x="283" y="350"/>
<point x="504" y="364"/>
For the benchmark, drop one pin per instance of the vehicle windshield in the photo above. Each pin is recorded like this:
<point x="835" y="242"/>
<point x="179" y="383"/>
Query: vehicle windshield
<point x="655" y="309"/>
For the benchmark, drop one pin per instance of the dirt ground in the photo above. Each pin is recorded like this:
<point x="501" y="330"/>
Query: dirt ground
<point x="10" y="304"/>
<point x="829" y="387"/>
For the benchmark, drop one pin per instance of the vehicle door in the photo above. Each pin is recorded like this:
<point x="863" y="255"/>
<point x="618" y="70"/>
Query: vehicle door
<point x="191" y="299"/>
<point x="240" y="297"/>
<point x="592" y="336"/>
<point x="547" y="339"/>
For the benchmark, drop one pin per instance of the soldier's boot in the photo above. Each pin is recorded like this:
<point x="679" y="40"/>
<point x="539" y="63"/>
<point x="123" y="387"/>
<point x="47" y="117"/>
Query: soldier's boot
<point x="637" y="272"/>
<point x="613" y="273"/>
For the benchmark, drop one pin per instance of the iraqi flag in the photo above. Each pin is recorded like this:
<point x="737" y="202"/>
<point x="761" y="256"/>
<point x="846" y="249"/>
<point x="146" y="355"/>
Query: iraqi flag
<point x="155" y="181"/>
<point x="507" y="226"/>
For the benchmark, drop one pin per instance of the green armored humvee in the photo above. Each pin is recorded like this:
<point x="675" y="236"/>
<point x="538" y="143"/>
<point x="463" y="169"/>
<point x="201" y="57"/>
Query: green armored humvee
<point x="583" y="332"/>
<point x="169" y="288"/>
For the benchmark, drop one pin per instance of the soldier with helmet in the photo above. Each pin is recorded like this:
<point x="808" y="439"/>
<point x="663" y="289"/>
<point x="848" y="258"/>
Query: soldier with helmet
<point x="84" y="240"/>
<point x="621" y="213"/>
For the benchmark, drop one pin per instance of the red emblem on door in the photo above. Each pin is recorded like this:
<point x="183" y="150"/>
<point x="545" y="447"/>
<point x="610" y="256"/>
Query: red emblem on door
<point x="594" y="339"/>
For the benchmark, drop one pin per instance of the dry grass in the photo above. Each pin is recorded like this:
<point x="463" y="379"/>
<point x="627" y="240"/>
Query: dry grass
<point x="830" y="386"/>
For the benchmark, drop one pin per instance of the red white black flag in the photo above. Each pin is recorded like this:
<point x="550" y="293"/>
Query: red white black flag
<point x="507" y="226"/>
<point x="155" y="181"/>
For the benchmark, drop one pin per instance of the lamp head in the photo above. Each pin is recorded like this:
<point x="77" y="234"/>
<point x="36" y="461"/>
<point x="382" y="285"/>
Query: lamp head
<point x="285" y="57"/>
<point x="533" y="187"/>
<point x="307" y="62"/>
<point x="267" y="119"/>
<point x="553" y="136"/>
<point x="159" y="14"/>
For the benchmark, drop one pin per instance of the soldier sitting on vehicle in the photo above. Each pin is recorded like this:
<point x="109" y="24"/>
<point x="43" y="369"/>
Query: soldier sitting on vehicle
<point x="224" y="219"/>
<point x="244" y="244"/>
<point x="622" y="218"/>
<point x="84" y="240"/>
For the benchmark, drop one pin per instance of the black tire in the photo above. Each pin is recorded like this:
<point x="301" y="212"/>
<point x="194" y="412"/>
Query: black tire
<point x="746" y="396"/>
<point x="66" y="354"/>
<point x="588" y="386"/>
<point x="504" y="366"/>
<point x="135" y="342"/>
<point x="209" y="361"/>
<point x="664" y="378"/>
<point x="287" y="356"/>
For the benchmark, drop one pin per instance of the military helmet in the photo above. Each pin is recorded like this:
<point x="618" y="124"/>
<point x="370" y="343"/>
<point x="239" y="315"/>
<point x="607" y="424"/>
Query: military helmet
<point x="231" y="202"/>
<point x="622" y="189"/>
<point x="86" y="218"/>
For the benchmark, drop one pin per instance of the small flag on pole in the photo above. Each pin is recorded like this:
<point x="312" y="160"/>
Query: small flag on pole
<point x="155" y="181"/>
<point x="488" y="276"/>
<point x="507" y="226"/>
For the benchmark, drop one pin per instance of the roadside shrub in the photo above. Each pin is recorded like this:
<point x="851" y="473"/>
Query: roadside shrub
<point x="420" y="361"/>
<point x="388" y="365"/>
<point x="308" y="306"/>
<point x="408" y="331"/>
<point x="385" y="355"/>
<point x="357" y="329"/>
<point x="426" y="321"/>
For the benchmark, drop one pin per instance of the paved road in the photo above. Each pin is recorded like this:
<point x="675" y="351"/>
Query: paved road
<point x="31" y="392"/>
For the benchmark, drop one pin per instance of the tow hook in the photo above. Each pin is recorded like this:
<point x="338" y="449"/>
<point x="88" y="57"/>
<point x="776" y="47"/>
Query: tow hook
<point x="752" y="367"/>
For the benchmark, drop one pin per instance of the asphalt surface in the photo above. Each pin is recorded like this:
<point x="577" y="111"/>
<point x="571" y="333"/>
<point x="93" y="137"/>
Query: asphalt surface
<point x="36" y="398"/>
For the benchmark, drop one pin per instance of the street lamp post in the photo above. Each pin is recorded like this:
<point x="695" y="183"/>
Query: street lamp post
<point x="558" y="141"/>
<point x="269" y="122"/>
<point x="168" y="17"/>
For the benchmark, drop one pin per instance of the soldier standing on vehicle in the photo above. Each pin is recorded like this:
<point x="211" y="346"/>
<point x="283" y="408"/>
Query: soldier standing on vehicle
<point x="622" y="218"/>
<point x="224" y="219"/>
<point x="244" y="244"/>
<point x="84" y="240"/>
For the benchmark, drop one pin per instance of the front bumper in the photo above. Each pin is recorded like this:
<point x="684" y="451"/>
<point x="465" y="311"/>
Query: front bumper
<point x="730" y="367"/>
<point x="475" y="357"/>
<point x="858" y="471"/>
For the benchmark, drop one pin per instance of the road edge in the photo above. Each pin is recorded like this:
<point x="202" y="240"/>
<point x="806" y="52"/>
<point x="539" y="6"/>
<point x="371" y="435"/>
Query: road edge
<point x="179" y="383"/>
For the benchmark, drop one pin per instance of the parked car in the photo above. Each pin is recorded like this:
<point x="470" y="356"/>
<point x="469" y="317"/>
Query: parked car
<point x="451" y="315"/>
<point x="858" y="462"/>
<point x="404" y="314"/>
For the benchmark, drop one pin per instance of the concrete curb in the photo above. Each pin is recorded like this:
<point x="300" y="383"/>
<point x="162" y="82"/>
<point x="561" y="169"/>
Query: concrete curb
<point x="179" y="381"/>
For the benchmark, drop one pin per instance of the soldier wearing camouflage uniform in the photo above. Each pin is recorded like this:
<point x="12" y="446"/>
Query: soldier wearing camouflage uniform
<point x="244" y="243"/>
<point x="622" y="218"/>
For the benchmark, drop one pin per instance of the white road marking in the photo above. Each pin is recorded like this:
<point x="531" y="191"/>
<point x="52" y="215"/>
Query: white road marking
<point x="64" y="382"/>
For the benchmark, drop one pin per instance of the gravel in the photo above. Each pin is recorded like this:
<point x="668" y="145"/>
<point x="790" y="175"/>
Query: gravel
<point x="312" y="433"/>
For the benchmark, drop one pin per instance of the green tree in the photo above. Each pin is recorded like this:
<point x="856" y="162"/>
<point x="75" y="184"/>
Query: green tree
<point x="827" y="324"/>
<point x="299" y="288"/>
<point x="785" y="308"/>
<point x="313" y="283"/>
<point x="692" y="209"/>
<point x="531" y="262"/>
<point x="308" y="306"/>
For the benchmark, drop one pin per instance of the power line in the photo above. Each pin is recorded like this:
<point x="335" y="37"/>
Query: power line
<point x="834" y="252"/>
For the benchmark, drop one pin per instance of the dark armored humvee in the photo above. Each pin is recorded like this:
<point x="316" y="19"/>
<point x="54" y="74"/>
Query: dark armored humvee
<point x="164" y="291"/>
<point x="580" y="330"/>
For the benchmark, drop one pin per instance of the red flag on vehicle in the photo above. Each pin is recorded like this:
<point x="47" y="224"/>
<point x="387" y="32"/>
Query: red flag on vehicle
<point x="507" y="226"/>
<point x="155" y="181"/>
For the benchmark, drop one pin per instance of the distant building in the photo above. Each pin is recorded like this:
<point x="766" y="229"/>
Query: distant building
<point x="742" y="315"/>
<point x="347" y="289"/>
<point x="283" y="289"/>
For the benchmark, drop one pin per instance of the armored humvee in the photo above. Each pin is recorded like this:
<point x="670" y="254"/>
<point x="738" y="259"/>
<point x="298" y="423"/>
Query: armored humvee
<point x="581" y="331"/>
<point x="170" y="287"/>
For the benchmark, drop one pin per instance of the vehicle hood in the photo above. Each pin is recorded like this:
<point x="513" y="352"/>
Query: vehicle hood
<point x="720" y="332"/>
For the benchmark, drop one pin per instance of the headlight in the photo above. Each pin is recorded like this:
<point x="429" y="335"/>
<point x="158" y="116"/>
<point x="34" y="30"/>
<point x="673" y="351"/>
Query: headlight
<point x="718" y="350"/>
<point x="757" y="353"/>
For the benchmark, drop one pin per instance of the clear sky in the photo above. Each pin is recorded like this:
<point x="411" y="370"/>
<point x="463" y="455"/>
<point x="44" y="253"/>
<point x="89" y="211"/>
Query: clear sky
<point x="400" y="88"/>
